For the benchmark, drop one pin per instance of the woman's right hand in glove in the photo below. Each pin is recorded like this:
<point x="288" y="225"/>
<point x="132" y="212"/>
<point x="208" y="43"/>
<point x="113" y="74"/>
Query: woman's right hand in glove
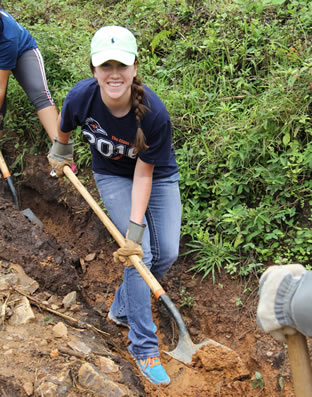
<point x="61" y="154"/>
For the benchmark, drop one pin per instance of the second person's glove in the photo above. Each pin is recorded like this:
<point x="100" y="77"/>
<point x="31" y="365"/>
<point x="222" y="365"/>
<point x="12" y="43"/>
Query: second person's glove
<point x="278" y="284"/>
<point x="132" y="245"/>
<point x="61" y="154"/>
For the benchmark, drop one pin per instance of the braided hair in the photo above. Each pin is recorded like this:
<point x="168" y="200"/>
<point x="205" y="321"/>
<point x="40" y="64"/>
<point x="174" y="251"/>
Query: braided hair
<point x="137" y="95"/>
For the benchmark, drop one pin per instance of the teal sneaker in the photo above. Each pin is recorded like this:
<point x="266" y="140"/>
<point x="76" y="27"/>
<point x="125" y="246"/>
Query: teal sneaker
<point x="123" y="321"/>
<point x="152" y="369"/>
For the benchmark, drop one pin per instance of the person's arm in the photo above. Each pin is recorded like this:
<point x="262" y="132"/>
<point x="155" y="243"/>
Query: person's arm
<point x="141" y="190"/>
<point x="62" y="137"/>
<point x="4" y="78"/>
<point x="285" y="301"/>
<point x="61" y="152"/>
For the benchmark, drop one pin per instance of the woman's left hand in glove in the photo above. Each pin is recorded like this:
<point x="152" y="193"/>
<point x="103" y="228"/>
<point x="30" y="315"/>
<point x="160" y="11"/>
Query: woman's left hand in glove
<point x="132" y="245"/>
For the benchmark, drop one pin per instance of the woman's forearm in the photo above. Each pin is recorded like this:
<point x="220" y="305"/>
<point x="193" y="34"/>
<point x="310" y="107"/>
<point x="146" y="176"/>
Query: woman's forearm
<point x="141" y="190"/>
<point x="4" y="78"/>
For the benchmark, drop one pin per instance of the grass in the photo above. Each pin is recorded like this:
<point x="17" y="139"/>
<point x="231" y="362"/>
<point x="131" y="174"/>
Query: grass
<point x="236" y="79"/>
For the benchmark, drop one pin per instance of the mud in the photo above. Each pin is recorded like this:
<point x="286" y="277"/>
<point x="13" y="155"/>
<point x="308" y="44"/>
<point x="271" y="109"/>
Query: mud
<point x="73" y="252"/>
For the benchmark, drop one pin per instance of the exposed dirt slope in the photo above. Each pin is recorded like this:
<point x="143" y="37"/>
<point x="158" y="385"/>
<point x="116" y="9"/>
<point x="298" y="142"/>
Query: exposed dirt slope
<point x="73" y="252"/>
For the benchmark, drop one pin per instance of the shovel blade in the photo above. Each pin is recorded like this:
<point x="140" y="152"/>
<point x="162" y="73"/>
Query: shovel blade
<point x="32" y="217"/>
<point x="186" y="348"/>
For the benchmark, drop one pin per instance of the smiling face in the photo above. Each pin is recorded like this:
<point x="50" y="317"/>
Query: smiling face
<point x="115" y="80"/>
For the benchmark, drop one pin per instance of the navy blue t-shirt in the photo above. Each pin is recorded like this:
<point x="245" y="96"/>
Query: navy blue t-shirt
<point x="14" y="41"/>
<point x="111" y="138"/>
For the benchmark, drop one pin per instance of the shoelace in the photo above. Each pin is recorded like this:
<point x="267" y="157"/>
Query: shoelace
<point x="150" y="361"/>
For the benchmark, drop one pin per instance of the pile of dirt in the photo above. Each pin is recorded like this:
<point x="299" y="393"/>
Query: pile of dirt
<point x="72" y="253"/>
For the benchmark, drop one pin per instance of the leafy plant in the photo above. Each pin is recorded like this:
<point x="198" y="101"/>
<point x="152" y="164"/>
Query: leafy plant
<point x="258" y="381"/>
<point x="210" y="254"/>
<point x="281" y="382"/>
<point x="186" y="300"/>
<point x="235" y="77"/>
<point x="238" y="301"/>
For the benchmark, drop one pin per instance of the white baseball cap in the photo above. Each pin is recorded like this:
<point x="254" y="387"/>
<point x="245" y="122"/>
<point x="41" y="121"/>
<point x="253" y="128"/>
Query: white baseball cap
<point x="113" y="43"/>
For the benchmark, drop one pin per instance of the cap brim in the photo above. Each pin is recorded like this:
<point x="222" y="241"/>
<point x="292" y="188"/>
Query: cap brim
<point x="126" y="58"/>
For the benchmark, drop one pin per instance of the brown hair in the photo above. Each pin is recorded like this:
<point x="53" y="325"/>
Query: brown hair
<point x="137" y="95"/>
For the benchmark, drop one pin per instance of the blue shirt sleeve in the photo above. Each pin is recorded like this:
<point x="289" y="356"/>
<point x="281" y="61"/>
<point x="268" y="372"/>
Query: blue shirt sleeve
<point x="14" y="41"/>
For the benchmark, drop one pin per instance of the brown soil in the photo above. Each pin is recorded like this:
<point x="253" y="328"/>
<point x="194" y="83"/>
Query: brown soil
<point x="73" y="252"/>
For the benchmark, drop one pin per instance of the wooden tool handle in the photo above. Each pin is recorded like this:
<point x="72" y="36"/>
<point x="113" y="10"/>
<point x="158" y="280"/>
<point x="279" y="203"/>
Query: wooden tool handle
<point x="3" y="167"/>
<point x="118" y="237"/>
<point x="300" y="364"/>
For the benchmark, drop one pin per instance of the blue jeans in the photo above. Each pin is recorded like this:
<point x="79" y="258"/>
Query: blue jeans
<point x="160" y="245"/>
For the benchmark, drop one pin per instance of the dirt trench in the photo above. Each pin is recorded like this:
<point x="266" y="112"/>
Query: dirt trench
<point x="73" y="252"/>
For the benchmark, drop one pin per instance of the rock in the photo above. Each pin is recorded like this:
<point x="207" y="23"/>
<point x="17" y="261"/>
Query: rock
<point x="54" y="386"/>
<point x="8" y="312"/>
<point x="47" y="389"/>
<point x="79" y="346"/>
<point x="54" y="353"/>
<point x="83" y="265"/>
<point x="18" y="336"/>
<point x="7" y="280"/>
<point x="29" y="388"/>
<point x="53" y="300"/>
<point x="75" y="308"/>
<point x="70" y="299"/>
<point x="193" y="331"/>
<point x="90" y="257"/>
<point x="60" y="330"/>
<point x="29" y="285"/>
<point x="5" y="312"/>
<point x="23" y="313"/>
<point x="4" y="284"/>
<point x="91" y="378"/>
<point x="107" y="365"/>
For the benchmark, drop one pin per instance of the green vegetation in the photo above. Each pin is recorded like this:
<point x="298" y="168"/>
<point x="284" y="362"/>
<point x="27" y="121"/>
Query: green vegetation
<point x="186" y="299"/>
<point x="236" y="77"/>
<point x="258" y="381"/>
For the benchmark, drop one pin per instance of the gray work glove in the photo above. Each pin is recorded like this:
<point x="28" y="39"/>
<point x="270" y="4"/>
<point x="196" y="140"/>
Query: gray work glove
<point x="132" y="245"/>
<point x="278" y="285"/>
<point x="60" y="155"/>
